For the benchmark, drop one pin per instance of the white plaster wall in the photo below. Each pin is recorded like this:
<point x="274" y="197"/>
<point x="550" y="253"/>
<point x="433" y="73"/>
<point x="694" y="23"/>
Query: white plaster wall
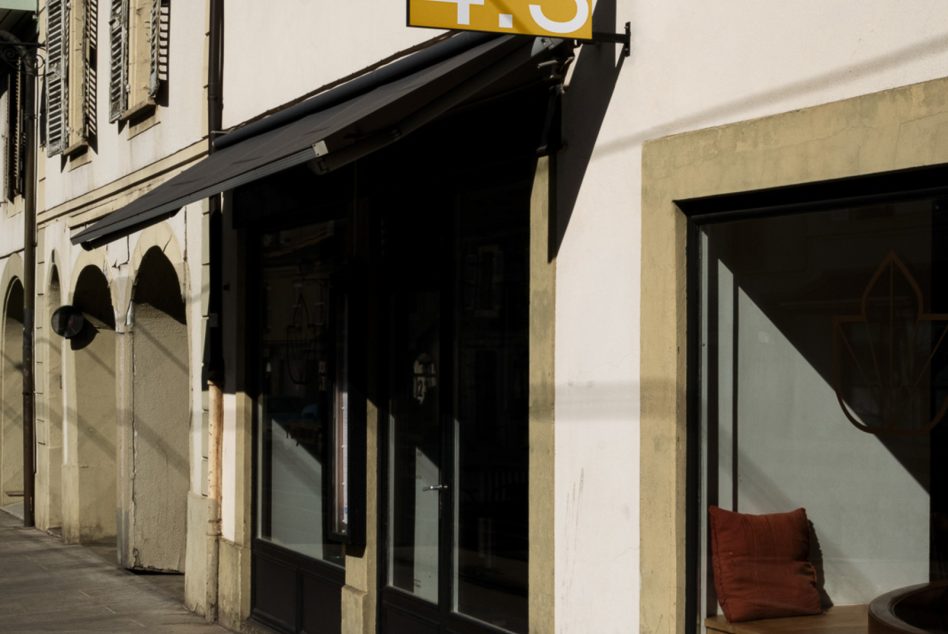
<point x="181" y="123"/>
<point x="693" y="65"/>
<point x="329" y="40"/>
<point x="11" y="231"/>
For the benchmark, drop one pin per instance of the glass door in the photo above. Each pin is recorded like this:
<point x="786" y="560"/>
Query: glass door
<point x="417" y="483"/>
<point x="456" y="446"/>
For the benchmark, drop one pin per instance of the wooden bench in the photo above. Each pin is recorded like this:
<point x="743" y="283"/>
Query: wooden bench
<point x="840" y="619"/>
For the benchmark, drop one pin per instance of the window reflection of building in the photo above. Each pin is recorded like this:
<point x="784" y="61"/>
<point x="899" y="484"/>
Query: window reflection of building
<point x="302" y="370"/>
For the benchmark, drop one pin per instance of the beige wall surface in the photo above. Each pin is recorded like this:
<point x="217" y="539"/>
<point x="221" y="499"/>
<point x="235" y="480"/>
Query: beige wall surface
<point x="91" y="501"/>
<point x="894" y="129"/>
<point x="11" y="393"/>
<point x="49" y="438"/>
<point x="161" y="418"/>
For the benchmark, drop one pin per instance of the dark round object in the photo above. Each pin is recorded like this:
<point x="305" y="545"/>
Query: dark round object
<point x="67" y="321"/>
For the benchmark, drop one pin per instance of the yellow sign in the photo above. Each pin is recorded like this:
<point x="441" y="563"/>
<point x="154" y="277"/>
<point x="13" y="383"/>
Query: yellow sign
<point x="571" y="19"/>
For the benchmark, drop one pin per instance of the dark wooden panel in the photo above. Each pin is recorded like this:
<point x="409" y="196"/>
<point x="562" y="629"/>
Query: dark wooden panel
<point x="395" y="621"/>
<point x="321" y="605"/>
<point x="274" y="592"/>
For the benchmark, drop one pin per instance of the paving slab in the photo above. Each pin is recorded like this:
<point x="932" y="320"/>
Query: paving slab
<point x="48" y="586"/>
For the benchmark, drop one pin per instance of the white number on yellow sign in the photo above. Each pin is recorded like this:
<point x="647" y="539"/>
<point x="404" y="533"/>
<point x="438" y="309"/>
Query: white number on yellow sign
<point x="567" y="18"/>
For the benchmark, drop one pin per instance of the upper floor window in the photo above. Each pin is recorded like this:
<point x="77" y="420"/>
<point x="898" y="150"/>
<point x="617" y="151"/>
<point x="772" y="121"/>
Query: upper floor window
<point x="71" y="27"/>
<point x="138" y="48"/>
<point x="13" y="133"/>
<point x="138" y="62"/>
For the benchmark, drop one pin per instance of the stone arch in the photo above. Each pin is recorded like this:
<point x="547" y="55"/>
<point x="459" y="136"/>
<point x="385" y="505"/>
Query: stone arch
<point x="10" y="269"/>
<point x="89" y="471"/>
<point x="161" y="416"/>
<point x="162" y="238"/>
<point x="11" y="395"/>
<point x="94" y="260"/>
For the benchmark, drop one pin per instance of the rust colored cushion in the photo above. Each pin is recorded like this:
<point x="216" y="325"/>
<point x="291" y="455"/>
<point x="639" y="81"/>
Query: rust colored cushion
<point x="761" y="567"/>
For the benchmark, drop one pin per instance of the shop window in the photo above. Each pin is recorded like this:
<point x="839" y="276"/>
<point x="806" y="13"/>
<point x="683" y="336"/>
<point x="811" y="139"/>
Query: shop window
<point x="138" y="53"/>
<point x="305" y="403"/>
<point x="71" y="27"/>
<point x="822" y="383"/>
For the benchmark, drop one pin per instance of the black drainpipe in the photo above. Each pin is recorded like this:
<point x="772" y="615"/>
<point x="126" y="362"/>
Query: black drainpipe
<point x="214" y="359"/>
<point x="29" y="292"/>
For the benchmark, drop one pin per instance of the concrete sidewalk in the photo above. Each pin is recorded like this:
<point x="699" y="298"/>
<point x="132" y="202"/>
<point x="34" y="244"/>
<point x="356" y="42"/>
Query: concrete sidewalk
<point x="47" y="586"/>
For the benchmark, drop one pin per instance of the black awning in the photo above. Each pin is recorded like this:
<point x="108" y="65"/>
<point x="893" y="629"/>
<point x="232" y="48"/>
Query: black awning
<point x="331" y="137"/>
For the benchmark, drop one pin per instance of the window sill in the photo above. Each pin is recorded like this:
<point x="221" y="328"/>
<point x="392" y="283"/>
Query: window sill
<point x="13" y="207"/>
<point x="139" y="111"/>
<point x="140" y="117"/>
<point x="841" y="619"/>
<point x="77" y="155"/>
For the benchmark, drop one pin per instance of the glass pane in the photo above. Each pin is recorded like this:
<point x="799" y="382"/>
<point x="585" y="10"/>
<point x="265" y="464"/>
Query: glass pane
<point x="415" y="446"/>
<point x="491" y="430"/>
<point x="298" y="354"/>
<point x="825" y="386"/>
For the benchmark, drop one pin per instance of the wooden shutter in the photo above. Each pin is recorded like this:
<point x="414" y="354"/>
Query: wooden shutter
<point x="90" y="38"/>
<point x="118" y="54"/>
<point x="158" y="41"/>
<point x="17" y="156"/>
<point x="14" y="154"/>
<point x="57" y="74"/>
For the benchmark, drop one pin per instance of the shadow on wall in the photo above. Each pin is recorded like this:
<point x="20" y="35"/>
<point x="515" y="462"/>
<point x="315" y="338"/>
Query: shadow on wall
<point x="91" y="480"/>
<point x="93" y="299"/>
<point x="584" y="107"/>
<point x="11" y="396"/>
<point x="160" y="418"/>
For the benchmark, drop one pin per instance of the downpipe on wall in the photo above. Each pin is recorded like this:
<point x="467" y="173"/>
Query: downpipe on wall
<point x="215" y="361"/>
<point x="29" y="298"/>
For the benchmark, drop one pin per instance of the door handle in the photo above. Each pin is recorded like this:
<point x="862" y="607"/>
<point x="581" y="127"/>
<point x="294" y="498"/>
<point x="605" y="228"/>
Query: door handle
<point x="435" y="487"/>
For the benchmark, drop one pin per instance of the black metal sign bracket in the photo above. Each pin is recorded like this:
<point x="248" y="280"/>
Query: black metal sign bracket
<point x="625" y="39"/>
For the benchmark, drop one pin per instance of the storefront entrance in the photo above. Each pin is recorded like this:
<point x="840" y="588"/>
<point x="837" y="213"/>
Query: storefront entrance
<point x="455" y="453"/>
<point x="401" y="281"/>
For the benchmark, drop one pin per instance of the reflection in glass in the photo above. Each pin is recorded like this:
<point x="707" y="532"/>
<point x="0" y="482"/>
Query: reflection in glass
<point x="415" y="449"/>
<point x="491" y="431"/>
<point x="458" y="428"/>
<point x="299" y="408"/>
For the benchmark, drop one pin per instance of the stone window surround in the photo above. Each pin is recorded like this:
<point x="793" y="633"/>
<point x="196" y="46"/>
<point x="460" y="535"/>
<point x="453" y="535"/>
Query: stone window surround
<point x="880" y="132"/>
